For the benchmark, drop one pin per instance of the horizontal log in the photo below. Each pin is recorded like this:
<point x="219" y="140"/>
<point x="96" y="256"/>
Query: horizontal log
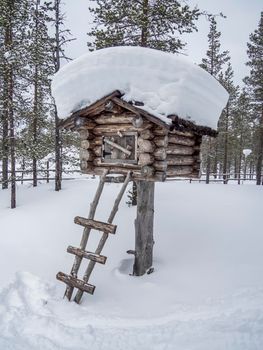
<point x="147" y="171"/>
<point x="146" y="134"/>
<point x="181" y="140"/>
<point x="114" y="119"/>
<point x="139" y="111"/>
<point x="145" y="146"/>
<point x="84" y="123"/>
<point x="182" y="133"/>
<point x="101" y="259"/>
<point x="179" y="150"/>
<point x="99" y="162"/>
<point x="137" y="121"/>
<point x="90" y="144"/>
<point x="106" y="129"/>
<point x="136" y="174"/>
<point x="95" y="225"/>
<point x="86" y="166"/>
<point x="160" y="165"/>
<point x="87" y="155"/>
<point x="145" y="159"/>
<point x="97" y="151"/>
<point x="180" y="160"/>
<point x="161" y="141"/>
<point x="159" y="131"/>
<point x="85" y="134"/>
<point x="160" y="153"/>
<point x="115" y="179"/>
<point x="75" y="283"/>
<point x="174" y="170"/>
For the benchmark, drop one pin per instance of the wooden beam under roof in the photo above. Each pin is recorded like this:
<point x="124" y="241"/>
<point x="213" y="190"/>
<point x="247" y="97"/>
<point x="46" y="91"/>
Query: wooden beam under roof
<point x="68" y="123"/>
<point x="139" y="111"/>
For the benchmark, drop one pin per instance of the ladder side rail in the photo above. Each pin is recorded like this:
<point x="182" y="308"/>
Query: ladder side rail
<point x="104" y="237"/>
<point x="86" y="232"/>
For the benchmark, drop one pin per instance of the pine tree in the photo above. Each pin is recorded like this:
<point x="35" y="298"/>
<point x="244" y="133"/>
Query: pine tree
<point x="155" y="24"/>
<point x="213" y="63"/>
<point x="13" y="21"/>
<point x="255" y="82"/>
<point x="226" y="79"/>
<point x="41" y="67"/>
<point x="241" y="130"/>
<point x="62" y="37"/>
<point x="215" y="59"/>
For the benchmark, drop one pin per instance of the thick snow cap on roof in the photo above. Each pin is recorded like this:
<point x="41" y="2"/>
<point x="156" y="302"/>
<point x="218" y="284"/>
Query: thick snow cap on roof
<point x="165" y="83"/>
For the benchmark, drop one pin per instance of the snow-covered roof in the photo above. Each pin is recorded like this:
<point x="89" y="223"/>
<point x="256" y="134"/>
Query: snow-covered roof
<point x="165" y="83"/>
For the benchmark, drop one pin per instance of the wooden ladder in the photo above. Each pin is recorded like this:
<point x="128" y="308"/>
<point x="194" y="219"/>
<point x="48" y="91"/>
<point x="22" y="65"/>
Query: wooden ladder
<point x="107" y="228"/>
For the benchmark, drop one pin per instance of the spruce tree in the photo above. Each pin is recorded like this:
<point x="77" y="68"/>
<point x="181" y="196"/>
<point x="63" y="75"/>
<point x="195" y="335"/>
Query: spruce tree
<point x="255" y="82"/>
<point x="155" y="24"/>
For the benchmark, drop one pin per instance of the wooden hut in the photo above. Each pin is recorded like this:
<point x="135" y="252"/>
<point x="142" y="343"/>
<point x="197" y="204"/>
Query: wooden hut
<point x="131" y="107"/>
<point x="122" y="137"/>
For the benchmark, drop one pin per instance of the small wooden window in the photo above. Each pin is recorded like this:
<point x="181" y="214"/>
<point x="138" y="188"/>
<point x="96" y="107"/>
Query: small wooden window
<point x="120" y="148"/>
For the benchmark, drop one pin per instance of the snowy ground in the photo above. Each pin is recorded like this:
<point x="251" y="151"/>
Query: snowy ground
<point x="206" y="292"/>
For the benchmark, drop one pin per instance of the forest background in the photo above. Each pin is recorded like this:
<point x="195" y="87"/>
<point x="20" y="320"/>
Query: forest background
<point x="36" y="39"/>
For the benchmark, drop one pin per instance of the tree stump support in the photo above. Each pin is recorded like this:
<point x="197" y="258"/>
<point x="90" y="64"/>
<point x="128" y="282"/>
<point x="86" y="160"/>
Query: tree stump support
<point x="144" y="228"/>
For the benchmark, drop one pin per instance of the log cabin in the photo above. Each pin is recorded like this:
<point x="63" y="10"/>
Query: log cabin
<point x="122" y="137"/>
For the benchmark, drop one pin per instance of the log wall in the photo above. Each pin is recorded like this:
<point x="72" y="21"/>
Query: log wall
<point x="160" y="153"/>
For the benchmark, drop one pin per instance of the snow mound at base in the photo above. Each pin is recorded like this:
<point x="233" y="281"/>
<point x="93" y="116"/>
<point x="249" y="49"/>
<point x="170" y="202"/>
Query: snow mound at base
<point x="33" y="318"/>
<point x="165" y="83"/>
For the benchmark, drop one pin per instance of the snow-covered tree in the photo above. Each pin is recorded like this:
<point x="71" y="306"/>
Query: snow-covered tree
<point x="40" y="61"/>
<point x="213" y="63"/>
<point x="62" y="36"/>
<point x="215" y="58"/>
<point x="13" y="23"/>
<point x="149" y="23"/>
<point x="224" y="125"/>
<point x="255" y="82"/>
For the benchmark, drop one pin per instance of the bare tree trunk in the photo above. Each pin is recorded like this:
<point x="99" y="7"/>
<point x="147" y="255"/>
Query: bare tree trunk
<point x="215" y="160"/>
<point x="10" y="109"/>
<point x="208" y="163"/>
<point x="35" y="108"/>
<point x="144" y="228"/>
<point x="58" y="153"/>
<point x="5" y="117"/>
<point x="12" y="146"/>
<point x="225" y="160"/>
<point x="145" y="23"/>
<point x="240" y="158"/>
<point x="260" y="151"/>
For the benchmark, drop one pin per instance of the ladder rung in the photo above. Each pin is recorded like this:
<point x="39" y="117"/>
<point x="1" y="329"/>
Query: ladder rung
<point x="115" y="179"/>
<point x="88" y="255"/>
<point x="96" y="225"/>
<point x="75" y="282"/>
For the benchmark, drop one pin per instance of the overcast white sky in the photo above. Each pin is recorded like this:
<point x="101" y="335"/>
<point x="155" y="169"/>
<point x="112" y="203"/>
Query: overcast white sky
<point x="242" y="19"/>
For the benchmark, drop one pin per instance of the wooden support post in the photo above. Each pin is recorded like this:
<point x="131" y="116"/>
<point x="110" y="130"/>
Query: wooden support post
<point x="144" y="228"/>
<point x="47" y="171"/>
